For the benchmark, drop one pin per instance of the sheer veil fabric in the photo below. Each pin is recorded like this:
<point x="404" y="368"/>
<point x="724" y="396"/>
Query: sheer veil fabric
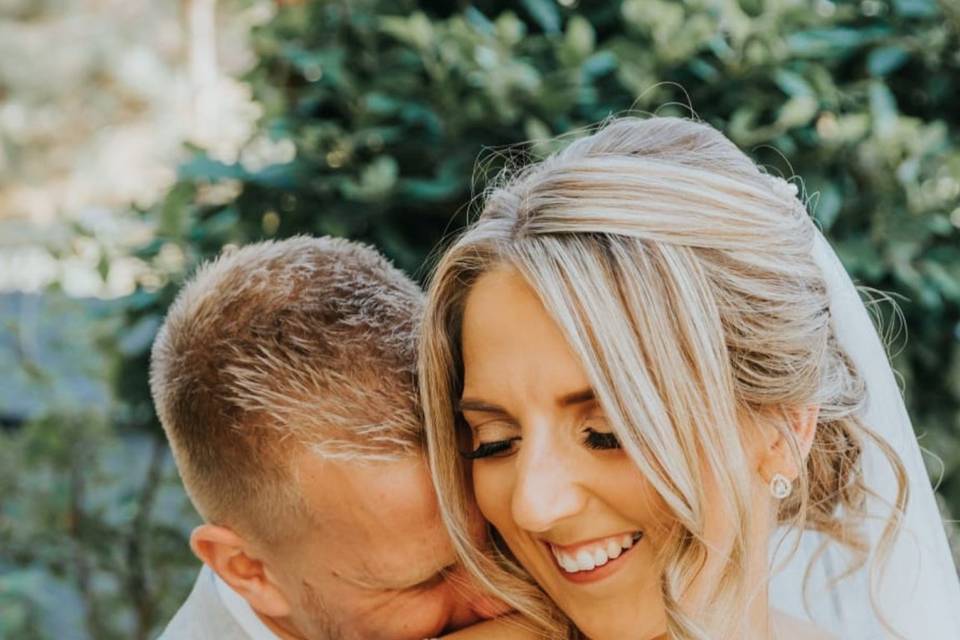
<point x="917" y="591"/>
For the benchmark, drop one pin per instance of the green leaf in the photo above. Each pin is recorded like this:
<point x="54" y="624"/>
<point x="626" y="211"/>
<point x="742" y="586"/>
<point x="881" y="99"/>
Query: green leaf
<point x="544" y="13"/>
<point x="797" y="111"/>
<point x="883" y="108"/>
<point x="415" y="30"/>
<point x="916" y="8"/>
<point x="828" y="204"/>
<point x="479" y="21"/>
<point x="793" y="84"/>
<point x="704" y="70"/>
<point x="175" y="211"/>
<point x="884" y="60"/>
<point x="510" y="29"/>
<point x="203" y="167"/>
<point x="449" y="182"/>
<point x="103" y="266"/>
<point x="140" y="300"/>
<point x="220" y="224"/>
<point x="277" y="176"/>
<point x="580" y="37"/>
<point x="600" y="63"/>
<point x="376" y="182"/>
<point x="948" y="284"/>
<point x="832" y="43"/>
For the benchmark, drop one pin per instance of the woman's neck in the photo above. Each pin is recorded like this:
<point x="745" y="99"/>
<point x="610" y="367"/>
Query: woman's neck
<point x="757" y="622"/>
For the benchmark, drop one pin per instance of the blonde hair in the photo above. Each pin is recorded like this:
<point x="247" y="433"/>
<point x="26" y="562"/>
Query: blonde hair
<point x="305" y="343"/>
<point x="682" y="277"/>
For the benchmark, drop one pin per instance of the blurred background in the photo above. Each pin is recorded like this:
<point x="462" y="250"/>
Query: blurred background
<point x="138" y="138"/>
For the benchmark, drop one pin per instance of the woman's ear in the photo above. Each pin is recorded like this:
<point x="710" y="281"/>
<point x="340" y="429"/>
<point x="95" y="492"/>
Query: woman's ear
<point x="233" y="559"/>
<point x="777" y="456"/>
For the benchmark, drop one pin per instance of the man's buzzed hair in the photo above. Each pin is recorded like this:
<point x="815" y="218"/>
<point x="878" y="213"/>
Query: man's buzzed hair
<point x="280" y="347"/>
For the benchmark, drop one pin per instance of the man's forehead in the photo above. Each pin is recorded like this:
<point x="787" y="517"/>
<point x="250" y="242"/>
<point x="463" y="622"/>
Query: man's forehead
<point x="365" y="493"/>
<point x="380" y="520"/>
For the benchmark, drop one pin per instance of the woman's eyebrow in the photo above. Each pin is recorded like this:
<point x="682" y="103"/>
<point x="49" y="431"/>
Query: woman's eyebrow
<point x="577" y="397"/>
<point x="469" y="404"/>
<point x="569" y="399"/>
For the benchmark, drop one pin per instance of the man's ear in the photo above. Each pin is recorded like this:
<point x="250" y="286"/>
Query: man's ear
<point x="234" y="559"/>
<point x="777" y="456"/>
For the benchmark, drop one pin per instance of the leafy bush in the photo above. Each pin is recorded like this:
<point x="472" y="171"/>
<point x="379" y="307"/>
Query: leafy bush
<point x="376" y="114"/>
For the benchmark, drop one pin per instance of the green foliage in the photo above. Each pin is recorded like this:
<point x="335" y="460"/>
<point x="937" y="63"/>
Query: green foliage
<point x="92" y="525"/>
<point x="92" y="517"/>
<point x="389" y="105"/>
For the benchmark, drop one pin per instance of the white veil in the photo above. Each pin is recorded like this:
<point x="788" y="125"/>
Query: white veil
<point x="918" y="592"/>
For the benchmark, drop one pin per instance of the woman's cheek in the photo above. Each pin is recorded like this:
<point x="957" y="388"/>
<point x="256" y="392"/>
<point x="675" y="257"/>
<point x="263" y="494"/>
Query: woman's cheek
<point x="491" y="486"/>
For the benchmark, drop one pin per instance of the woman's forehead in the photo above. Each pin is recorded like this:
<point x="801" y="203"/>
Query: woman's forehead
<point x="512" y="347"/>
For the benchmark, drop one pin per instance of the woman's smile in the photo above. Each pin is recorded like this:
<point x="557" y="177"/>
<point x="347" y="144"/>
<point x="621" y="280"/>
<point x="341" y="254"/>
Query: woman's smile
<point x="593" y="560"/>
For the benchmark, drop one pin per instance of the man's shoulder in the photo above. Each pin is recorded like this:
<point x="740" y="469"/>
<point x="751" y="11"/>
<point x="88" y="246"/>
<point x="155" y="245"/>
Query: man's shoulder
<point x="203" y="615"/>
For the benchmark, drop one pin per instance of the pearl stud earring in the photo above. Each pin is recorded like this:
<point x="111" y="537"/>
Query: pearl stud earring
<point x="780" y="487"/>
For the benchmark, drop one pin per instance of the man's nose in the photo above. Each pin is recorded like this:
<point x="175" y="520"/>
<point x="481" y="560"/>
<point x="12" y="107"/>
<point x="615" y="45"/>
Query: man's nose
<point x="546" y="489"/>
<point x="471" y="603"/>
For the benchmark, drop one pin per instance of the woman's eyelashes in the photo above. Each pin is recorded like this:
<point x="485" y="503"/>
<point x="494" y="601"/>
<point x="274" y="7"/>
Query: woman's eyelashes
<point x="601" y="440"/>
<point x="494" y="438"/>
<point x="594" y="438"/>
<point x="496" y="448"/>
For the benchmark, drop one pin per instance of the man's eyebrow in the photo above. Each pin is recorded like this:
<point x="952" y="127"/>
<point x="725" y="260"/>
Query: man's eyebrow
<point x="427" y="583"/>
<point x="375" y="583"/>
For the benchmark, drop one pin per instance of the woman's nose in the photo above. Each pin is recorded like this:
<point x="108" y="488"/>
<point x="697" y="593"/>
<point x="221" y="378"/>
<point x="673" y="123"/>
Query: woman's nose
<point x="547" y="489"/>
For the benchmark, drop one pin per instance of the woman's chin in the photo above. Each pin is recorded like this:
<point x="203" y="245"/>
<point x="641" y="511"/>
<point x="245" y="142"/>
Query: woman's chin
<point x="618" y="600"/>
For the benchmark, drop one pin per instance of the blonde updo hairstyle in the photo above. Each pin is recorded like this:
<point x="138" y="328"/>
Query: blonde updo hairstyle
<point x="682" y="277"/>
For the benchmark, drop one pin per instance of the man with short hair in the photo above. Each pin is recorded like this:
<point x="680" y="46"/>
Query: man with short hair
<point x="284" y="377"/>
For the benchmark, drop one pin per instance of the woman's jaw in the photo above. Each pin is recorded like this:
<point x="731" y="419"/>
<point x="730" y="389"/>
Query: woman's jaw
<point x="622" y="593"/>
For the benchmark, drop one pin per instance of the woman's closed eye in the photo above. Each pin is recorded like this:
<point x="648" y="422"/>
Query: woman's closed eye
<point x="596" y="436"/>
<point x="601" y="440"/>
<point x="599" y="436"/>
<point x="492" y="438"/>
<point x="494" y="449"/>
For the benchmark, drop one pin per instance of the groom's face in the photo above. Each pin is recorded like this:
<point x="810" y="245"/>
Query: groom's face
<point x="378" y="564"/>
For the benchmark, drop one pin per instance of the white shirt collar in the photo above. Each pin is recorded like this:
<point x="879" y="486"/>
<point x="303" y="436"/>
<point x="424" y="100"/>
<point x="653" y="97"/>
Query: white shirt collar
<point x="241" y="611"/>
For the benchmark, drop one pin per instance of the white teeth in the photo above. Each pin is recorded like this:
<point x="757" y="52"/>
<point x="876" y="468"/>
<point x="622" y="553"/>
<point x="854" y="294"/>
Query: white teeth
<point x="587" y="559"/>
<point x="599" y="558"/>
<point x="569" y="564"/>
<point x="613" y="549"/>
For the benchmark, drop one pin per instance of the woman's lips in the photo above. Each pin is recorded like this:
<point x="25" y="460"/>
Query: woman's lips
<point x="593" y="560"/>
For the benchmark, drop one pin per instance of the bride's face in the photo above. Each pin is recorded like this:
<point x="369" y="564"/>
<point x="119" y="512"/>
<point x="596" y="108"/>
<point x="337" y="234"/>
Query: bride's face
<point x="548" y="472"/>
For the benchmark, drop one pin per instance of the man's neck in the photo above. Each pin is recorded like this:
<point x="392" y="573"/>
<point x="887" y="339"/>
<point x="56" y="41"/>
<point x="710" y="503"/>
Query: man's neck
<point x="255" y="624"/>
<point x="283" y="629"/>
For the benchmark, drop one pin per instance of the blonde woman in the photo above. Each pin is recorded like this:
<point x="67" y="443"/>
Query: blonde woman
<point x="652" y="374"/>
